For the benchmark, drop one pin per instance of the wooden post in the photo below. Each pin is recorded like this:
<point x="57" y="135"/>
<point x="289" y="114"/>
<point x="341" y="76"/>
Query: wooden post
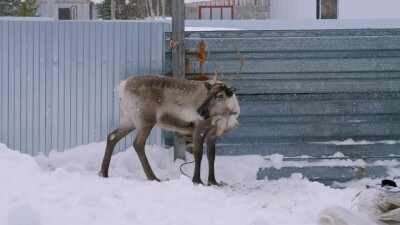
<point x="178" y="62"/>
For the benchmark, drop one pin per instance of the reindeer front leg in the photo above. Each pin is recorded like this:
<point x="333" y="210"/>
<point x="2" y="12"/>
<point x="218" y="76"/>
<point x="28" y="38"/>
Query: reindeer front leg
<point x="211" y="139"/>
<point x="199" y="135"/>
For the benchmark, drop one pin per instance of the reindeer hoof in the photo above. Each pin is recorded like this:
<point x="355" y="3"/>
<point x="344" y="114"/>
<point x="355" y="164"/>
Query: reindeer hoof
<point x="153" y="178"/>
<point x="213" y="182"/>
<point x="103" y="174"/>
<point x="197" y="181"/>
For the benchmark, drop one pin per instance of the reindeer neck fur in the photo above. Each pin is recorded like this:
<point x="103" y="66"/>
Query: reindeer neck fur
<point x="223" y="120"/>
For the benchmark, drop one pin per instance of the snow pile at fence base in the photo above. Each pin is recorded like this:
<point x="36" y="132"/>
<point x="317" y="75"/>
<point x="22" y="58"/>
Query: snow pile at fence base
<point x="376" y="206"/>
<point x="64" y="188"/>
<point x="381" y="203"/>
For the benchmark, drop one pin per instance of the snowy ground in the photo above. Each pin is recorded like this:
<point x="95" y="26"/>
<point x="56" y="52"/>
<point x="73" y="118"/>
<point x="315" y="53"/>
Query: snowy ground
<point x="64" y="189"/>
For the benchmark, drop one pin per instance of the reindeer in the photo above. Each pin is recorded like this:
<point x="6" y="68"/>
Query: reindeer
<point x="203" y="109"/>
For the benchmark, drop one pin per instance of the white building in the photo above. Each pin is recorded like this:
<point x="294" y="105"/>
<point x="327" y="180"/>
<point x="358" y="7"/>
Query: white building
<point x="334" y="9"/>
<point x="66" y="9"/>
<point x="291" y="9"/>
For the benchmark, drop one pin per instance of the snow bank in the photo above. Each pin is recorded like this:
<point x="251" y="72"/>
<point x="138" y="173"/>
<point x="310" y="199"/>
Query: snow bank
<point x="63" y="188"/>
<point x="209" y="28"/>
<point x="362" y="142"/>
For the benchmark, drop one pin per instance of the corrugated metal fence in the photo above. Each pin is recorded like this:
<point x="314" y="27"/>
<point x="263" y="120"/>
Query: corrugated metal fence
<point x="302" y="89"/>
<point x="57" y="79"/>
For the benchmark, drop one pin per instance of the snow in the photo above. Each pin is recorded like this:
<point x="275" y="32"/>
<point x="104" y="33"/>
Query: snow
<point x="97" y="1"/>
<point x="188" y="28"/>
<point x="63" y="188"/>
<point x="192" y="1"/>
<point x="362" y="142"/>
<point x="276" y="160"/>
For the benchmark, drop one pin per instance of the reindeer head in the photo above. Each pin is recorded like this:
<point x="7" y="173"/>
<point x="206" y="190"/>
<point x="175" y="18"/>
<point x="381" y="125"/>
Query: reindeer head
<point x="221" y="101"/>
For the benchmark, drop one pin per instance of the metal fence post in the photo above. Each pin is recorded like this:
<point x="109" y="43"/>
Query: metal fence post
<point x="178" y="62"/>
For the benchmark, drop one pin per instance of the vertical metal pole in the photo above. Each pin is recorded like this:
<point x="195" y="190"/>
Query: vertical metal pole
<point x="112" y="9"/>
<point x="178" y="63"/>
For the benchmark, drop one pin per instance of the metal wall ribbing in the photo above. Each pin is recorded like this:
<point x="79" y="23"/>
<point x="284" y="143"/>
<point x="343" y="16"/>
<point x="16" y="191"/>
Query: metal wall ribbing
<point x="57" y="79"/>
<point x="310" y="93"/>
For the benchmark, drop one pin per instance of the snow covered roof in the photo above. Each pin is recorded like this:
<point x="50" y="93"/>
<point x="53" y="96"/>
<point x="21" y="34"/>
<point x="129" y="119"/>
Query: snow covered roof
<point x="66" y="1"/>
<point x="192" y="1"/>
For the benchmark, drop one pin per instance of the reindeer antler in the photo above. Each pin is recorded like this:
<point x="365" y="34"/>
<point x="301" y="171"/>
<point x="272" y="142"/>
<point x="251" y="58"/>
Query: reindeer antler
<point x="234" y="76"/>
<point x="215" y="72"/>
<point x="241" y="65"/>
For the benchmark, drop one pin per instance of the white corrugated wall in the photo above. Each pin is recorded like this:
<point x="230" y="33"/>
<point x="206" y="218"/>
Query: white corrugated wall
<point x="57" y="79"/>
<point x="369" y="9"/>
<point x="347" y="9"/>
<point x="293" y="9"/>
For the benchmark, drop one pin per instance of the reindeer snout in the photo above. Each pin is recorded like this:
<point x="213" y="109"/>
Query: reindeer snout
<point x="203" y="113"/>
<point x="230" y="91"/>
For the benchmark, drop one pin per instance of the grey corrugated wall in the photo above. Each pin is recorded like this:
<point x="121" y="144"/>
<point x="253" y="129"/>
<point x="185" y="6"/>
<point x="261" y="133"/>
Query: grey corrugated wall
<point x="304" y="86"/>
<point x="302" y="89"/>
<point x="57" y="79"/>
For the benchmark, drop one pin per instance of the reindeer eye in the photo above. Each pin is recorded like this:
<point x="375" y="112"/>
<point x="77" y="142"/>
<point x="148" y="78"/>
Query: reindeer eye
<point x="219" y="96"/>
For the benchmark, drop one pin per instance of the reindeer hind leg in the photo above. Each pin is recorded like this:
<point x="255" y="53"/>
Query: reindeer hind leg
<point x="112" y="139"/>
<point x="138" y="145"/>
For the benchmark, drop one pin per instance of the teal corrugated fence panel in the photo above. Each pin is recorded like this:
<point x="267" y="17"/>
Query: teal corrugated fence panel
<point x="308" y="95"/>
<point x="57" y="79"/>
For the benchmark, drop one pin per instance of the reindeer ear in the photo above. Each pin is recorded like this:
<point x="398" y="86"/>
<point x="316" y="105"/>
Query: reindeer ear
<point x="207" y="85"/>
<point x="230" y="91"/>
